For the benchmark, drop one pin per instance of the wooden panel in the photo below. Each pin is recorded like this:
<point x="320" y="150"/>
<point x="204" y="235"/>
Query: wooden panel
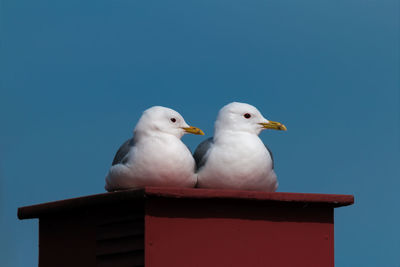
<point x="120" y="242"/>
<point x="211" y="233"/>
<point x="66" y="241"/>
<point x="121" y="260"/>
<point x="101" y="236"/>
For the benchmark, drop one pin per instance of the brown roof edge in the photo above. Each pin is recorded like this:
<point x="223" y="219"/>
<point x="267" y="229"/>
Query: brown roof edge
<point x="36" y="211"/>
<point x="330" y="199"/>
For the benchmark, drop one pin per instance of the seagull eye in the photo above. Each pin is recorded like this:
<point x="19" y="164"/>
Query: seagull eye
<point x="173" y="120"/>
<point x="247" y="116"/>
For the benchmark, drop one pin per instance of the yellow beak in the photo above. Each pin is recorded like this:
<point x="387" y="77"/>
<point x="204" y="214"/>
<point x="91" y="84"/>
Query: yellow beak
<point x="274" y="125"/>
<point x="193" y="130"/>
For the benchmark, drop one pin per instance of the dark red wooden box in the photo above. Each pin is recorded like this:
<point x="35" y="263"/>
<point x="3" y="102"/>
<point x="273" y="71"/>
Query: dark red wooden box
<point x="188" y="227"/>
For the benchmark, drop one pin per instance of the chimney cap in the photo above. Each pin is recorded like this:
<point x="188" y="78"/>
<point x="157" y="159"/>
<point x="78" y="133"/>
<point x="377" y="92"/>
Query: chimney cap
<point x="139" y="195"/>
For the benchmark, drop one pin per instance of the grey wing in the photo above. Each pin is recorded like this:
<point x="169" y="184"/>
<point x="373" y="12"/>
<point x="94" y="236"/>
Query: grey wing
<point x="121" y="155"/>
<point x="199" y="154"/>
<point x="270" y="153"/>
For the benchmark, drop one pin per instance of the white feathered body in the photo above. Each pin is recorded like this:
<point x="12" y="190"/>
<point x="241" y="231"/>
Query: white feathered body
<point x="156" y="160"/>
<point x="238" y="160"/>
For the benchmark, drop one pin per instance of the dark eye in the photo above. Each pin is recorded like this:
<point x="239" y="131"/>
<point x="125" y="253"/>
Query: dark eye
<point x="247" y="116"/>
<point x="173" y="119"/>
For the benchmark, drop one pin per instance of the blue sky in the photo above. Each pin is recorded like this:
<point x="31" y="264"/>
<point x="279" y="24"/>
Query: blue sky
<point x="76" y="75"/>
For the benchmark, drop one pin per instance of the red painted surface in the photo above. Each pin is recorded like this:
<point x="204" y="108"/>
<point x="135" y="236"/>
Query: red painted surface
<point x="188" y="227"/>
<point x="205" y="233"/>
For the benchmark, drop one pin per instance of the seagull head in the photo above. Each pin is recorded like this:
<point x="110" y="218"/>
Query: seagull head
<point x="242" y="117"/>
<point x="159" y="119"/>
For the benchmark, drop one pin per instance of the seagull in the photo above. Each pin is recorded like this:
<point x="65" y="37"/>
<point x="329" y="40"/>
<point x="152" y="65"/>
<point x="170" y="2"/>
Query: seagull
<point x="236" y="158"/>
<point x="155" y="155"/>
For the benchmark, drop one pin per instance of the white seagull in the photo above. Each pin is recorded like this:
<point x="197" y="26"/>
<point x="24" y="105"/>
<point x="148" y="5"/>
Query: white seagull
<point x="236" y="158"/>
<point x="155" y="155"/>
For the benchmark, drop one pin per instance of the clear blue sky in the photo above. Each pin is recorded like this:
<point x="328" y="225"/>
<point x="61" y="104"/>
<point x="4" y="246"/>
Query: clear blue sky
<point x="76" y="75"/>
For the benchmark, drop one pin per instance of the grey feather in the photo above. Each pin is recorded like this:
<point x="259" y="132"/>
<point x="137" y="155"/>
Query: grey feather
<point x="121" y="155"/>
<point x="199" y="154"/>
<point x="270" y="153"/>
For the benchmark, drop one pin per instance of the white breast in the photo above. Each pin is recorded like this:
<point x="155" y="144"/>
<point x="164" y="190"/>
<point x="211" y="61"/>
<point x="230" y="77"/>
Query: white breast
<point x="161" y="161"/>
<point x="238" y="161"/>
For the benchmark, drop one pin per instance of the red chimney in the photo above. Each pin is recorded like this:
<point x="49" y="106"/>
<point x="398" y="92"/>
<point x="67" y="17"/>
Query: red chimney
<point x="165" y="227"/>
